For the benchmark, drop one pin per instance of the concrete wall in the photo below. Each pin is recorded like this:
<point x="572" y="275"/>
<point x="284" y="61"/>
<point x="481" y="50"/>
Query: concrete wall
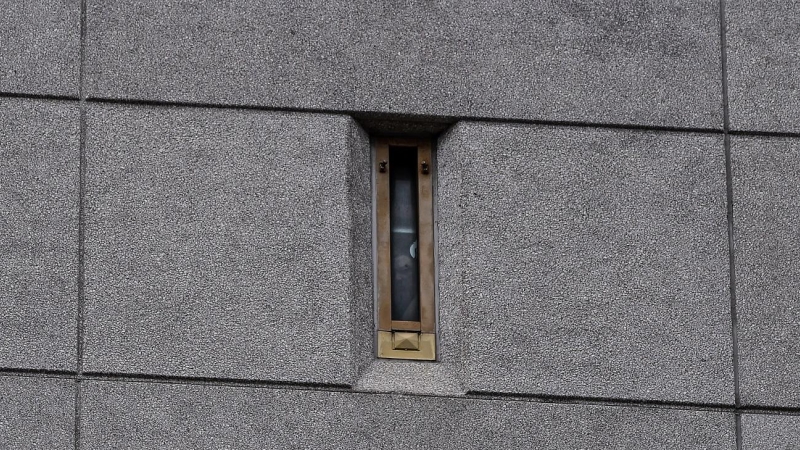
<point x="186" y="223"/>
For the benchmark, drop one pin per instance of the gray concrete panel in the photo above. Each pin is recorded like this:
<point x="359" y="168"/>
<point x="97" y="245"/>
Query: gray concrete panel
<point x="37" y="413"/>
<point x="40" y="47"/>
<point x="587" y="262"/>
<point x="764" y="65"/>
<point x="39" y="163"/>
<point x="154" y="415"/>
<point x="226" y="243"/>
<point x="770" y="432"/>
<point x="359" y="198"/>
<point x="654" y="62"/>
<point x="766" y="173"/>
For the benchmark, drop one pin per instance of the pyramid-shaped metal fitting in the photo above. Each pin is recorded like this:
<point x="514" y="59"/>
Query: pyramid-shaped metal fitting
<point x="405" y="341"/>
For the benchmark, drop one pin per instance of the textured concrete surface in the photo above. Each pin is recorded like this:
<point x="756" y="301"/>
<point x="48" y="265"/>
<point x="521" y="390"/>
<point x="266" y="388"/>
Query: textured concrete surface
<point x="226" y="243"/>
<point x="653" y="62"/>
<point x="770" y="432"/>
<point x="40" y="45"/>
<point x="153" y="415"/>
<point x="39" y="179"/>
<point x="410" y="377"/>
<point x="359" y="264"/>
<point x="36" y="413"/>
<point x="229" y="243"/>
<point x="764" y="65"/>
<point x="587" y="262"/>
<point x="766" y="172"/>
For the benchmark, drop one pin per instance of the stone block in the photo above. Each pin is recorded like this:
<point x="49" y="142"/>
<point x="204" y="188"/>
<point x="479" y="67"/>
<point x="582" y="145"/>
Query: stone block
<point x="770" y="432"/>
<point x="587" y="262"/>
<point x="651" y="63"/>
<point x="764" y="65"/>
<point x="766" y="204"/>
<point x="39" y="178"/>
<point x="40" y="47"/>
<point x="36" y="413"/>
<point x="227" y="243"/>
<point x="175" y="416"/>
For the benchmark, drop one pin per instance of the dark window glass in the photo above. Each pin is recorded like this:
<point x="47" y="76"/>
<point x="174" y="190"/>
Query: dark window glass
<point x="403" y="201"/>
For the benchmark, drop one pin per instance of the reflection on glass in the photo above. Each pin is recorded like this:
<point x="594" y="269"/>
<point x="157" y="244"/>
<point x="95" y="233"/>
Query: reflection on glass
<point x="405" y="266"/>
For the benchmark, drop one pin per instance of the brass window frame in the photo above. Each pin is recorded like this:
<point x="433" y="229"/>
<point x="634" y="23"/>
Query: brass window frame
<point x="406" y="339"/>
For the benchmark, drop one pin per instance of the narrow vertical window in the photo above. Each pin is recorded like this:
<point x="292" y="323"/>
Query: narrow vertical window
<point x="405" y="272"/>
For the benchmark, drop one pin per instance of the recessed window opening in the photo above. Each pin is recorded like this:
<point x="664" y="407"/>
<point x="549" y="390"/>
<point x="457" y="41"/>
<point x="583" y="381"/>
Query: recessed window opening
<point x="405" y="266"/>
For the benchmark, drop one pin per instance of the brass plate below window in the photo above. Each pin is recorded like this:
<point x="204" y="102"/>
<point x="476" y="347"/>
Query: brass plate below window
<point x="402" y="325"/>
<point x="386" y="346"/>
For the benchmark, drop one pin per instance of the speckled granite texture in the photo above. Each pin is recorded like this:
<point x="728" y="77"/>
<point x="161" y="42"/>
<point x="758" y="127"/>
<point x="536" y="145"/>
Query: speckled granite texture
<point x="764" y="65"/>
<point x="766" y="173"/>
<point x="769" y="431"/>
<point x="39" y="180"/>
<point x="653" y="62"/>
<point x="37" y="413"/>
<point x="154" y="415"/>
<point x="186" y="229"/>
<point x="221" y="243"/>
<point x="40" y="47"/>
<point x="588" y="262"/>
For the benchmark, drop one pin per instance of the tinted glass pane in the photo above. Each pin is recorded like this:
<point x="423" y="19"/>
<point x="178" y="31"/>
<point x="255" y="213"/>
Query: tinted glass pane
<point x="405" y="266"/>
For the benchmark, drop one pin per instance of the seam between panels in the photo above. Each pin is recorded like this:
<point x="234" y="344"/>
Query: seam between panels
<point x="81" y="230"/>
<point x="447" y="121"/>
<point x="103" y="377"/>
<point x="730" y="219"/>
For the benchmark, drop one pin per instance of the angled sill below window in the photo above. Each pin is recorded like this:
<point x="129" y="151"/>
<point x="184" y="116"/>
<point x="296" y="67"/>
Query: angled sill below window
<point x="410" y="377"/>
